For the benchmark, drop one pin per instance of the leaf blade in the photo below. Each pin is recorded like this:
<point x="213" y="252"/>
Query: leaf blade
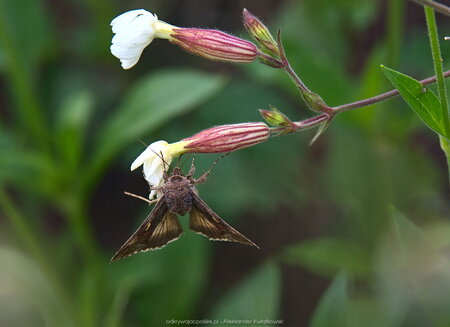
<point x="420" y="98"/>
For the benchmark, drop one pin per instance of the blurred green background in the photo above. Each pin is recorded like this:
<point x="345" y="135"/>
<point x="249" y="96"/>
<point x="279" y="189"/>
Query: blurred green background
<point x="354" y="231"/>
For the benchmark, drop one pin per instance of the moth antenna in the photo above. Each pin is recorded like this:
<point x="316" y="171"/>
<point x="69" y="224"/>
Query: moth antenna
<point x="161" y="156"/>
<point x="139" y="140"/>
<point x="141" y="197"/>
<point x="165" y="162"/>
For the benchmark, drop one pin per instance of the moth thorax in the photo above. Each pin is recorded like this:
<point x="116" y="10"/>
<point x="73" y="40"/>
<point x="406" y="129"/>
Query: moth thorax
<point x="177" y="179"/>
<point x="177" y="192"/>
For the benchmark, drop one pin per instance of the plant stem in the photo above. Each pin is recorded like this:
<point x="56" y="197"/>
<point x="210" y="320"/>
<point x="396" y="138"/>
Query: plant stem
<point x="318" y="119"/>
<point x="443" y="9"/>
<point x="437" y="60"/>
<point x="296" y="79"/>
<point x="381" y="97"/>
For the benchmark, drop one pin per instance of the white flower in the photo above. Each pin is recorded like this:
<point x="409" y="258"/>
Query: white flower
<point x="133" y="30"/>
<point x="153" y="164"/>
<point x="152" y="160"/>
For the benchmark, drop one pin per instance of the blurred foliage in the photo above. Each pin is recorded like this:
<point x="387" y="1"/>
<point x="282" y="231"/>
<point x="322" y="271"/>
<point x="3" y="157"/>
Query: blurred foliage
<point x="366" y="207"/>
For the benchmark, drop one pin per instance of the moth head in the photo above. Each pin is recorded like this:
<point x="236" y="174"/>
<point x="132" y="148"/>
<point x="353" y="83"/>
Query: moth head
<point x="177" y="172"/>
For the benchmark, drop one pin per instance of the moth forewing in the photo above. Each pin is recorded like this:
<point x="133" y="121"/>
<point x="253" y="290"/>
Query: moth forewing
<point x="205" y="221"/>
<point x="159" y="228"/>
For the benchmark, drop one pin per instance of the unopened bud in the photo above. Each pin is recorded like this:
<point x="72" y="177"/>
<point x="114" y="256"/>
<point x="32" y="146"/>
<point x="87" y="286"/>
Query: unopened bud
<point x="227" y="138"/>
<point x="214" y="45"/>
<point x="260" y="33"/>
<point x="315" y="102"/>
<point x="276" y="118"/>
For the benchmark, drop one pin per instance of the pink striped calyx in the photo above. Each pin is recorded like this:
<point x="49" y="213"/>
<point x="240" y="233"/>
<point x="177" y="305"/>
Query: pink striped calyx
<point x="227" y="138"/>
<point x="214" y="45"/>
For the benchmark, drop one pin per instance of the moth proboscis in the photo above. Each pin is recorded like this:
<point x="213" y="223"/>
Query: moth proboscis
<point x="178" y="196"/>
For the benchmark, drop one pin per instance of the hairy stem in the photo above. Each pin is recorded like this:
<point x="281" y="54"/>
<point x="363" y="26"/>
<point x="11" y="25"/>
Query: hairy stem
<point x="381" y="97"/>
<point x="437" y="60"/>
<point x="319" y="119"/>
<point x="296" y="78"/>
<point x="439" y="7"/>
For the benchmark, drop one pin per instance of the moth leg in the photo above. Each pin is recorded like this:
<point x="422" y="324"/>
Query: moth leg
<point x="192" y="169"/>
<point x="204" y="177"/>
<point x="141" y="198"/>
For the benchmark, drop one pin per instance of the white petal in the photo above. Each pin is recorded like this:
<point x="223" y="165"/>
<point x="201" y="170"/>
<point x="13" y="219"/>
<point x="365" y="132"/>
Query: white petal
<point x="126" y="18"/>
<point x="150" y="153"/>
<point x="154" y="175"/>
<point x="134" y="30"/>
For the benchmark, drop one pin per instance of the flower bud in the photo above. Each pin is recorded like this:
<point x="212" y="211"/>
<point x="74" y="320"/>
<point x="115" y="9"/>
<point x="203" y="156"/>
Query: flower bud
<point x="227" y="138"/>
<point x="282" y="123"/>
<point x="260" y="33"/>
<point x="214" y="45"/>
<point x="276" y="118"/>
<point x="315" y="102"/>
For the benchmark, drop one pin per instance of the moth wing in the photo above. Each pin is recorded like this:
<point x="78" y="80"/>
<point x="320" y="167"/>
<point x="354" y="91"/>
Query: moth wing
<point x="206" y="222"/>
<point x="159" y="228"/>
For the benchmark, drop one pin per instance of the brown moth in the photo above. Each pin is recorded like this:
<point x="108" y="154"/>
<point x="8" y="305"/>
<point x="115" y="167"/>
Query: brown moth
<point x="178" y="196"/>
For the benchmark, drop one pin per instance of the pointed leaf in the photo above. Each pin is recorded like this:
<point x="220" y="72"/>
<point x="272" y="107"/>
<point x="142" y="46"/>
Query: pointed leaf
<point x="420" y="98"/>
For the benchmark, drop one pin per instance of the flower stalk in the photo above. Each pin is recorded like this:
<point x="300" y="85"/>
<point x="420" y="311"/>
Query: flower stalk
<point x="217" y="45"/>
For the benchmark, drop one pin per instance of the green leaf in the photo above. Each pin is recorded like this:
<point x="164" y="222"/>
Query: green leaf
<point x="333" y="306"/>
<point x="420" y="98"/>
<point x="327" y="256"/>
<point x="151" y="103"/>
<point x="256" y="297"/>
